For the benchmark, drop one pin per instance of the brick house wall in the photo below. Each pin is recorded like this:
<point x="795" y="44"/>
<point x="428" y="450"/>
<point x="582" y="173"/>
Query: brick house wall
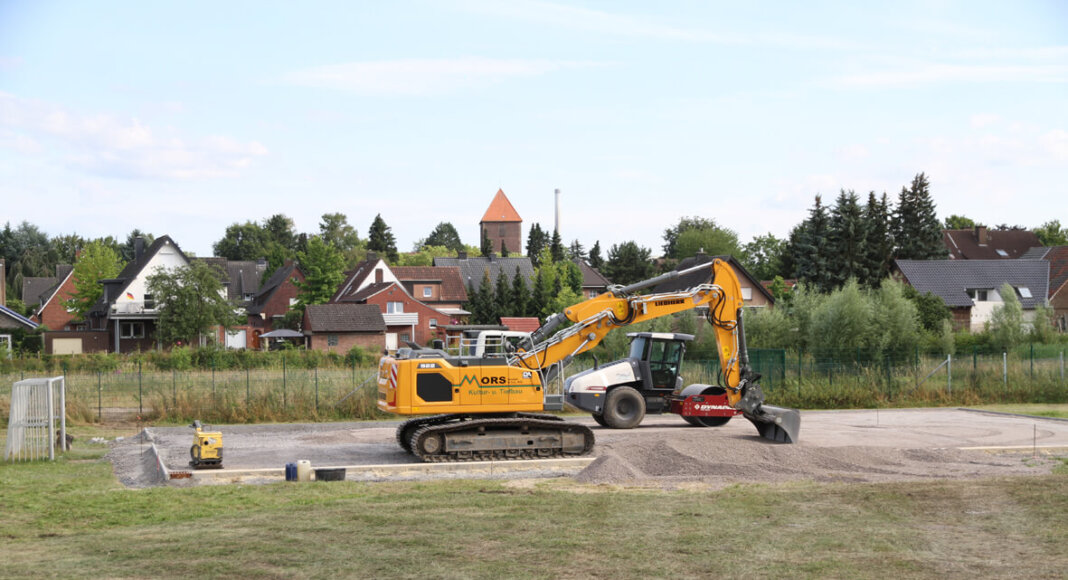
<point x="55" y="315"/>
<point x="372" y="341"/>
<point x="506" y="233"/>
<point x="92" y="341"/>
<point x="423" y="332"/>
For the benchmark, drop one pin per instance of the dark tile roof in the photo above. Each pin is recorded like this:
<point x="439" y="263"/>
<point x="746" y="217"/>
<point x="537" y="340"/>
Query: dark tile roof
<point x="245" y="276"/>
<point x="964" y="244"/>
<point x="1035" y="253"/>
<point x="367" y="292"/>
<point x="451" y="284"/>
<point x="344" y="318"/>
<point x="36" y="290"/>
<point x="702" y="277"/>
<point x="951" y="279"/>
<point x="473" y="269"/>
<point x="1057" y="256"/>
<point x="263" y="295"/>
<point x="355" y="277"/>
<point x="591" y="278"/>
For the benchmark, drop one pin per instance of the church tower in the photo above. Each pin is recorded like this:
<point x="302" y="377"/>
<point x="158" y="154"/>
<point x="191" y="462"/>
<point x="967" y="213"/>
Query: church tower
<point x="502" y="225"/>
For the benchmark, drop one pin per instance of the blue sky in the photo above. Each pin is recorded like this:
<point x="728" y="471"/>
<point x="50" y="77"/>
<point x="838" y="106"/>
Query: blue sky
<point x="182" y="118"/>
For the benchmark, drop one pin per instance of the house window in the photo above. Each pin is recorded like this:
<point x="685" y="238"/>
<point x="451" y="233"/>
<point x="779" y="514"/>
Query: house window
<point x="331" y="340"/>
<point x="433" y="323"/>
<point x="150" y="302"/>
<point x="1002" y="253"/>
<point x="405" y="337"/>
<point x="747" y="293"/>
<point x="977" y="295"/>
<point x="394" y="307"/>
<point x="427" y="291"/>
<point x="1024" y="291"/>
<point x="131" y="330"/>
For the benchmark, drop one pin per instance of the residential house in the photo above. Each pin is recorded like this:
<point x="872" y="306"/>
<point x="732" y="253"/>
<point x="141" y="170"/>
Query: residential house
<point x="36" y="290"/>
<point x="9" y="320"/>
<point x="127" y="310"/>
<point x="982" y="243"/>
<point x="971" y="288"/>
<point x="340" y="327"/>
<point x="593" y="283"/>
<point x="50" y="307"/>
<point x="754" y="295"/>
<point x="271" y="302"/>
<point x="501" y="225"/>
<point x="1057" y="257"/>
<point x="440" y="288"/>
<point x="406" y="318"/>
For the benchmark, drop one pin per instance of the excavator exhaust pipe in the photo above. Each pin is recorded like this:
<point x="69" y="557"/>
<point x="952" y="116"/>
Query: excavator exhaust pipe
<point x="777" y="424"/>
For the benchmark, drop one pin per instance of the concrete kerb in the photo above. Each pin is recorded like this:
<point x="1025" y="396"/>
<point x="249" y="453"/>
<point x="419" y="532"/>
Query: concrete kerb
<point x="533" y="468"/>
<point x="1005" y="414"/>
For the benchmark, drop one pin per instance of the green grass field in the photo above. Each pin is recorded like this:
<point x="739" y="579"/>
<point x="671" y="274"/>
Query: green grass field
<point x="72" y="519"/>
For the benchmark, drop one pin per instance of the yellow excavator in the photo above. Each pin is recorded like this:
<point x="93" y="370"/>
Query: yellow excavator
<point x="492" y="407"/>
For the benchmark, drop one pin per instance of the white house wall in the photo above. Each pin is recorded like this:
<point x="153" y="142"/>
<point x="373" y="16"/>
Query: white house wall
<point x="167" y="258"/>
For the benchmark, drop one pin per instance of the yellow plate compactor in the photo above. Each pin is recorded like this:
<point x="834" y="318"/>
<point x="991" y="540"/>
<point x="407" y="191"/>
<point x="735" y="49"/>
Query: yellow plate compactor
<point x="207" y="449"/>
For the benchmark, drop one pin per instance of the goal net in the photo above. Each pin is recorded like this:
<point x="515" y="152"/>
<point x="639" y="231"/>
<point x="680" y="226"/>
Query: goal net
<point x="36" y="406"/>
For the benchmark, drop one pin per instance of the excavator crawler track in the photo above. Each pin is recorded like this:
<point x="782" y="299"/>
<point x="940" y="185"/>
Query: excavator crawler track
<point x="523" y="436"/>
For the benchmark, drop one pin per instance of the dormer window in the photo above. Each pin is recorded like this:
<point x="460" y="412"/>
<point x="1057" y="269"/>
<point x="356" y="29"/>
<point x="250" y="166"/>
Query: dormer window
<point x="978" y="294"/>
<point x="1024" y="291"/>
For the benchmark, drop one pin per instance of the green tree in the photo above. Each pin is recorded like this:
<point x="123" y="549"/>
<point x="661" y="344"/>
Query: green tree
<point x="520" y="295"/>
<point x="695" y="234"/>
<point x="811" y="252"/>
<point x="335" y="230"/>
<point x="128" y="250"/>
<point x="841" y="323"/>
<point x="556" y="246"/>
<point x="97" y="262"/>
<point x="425" y="256"/>
<point x="486" y="310"/>
<point x="768" y="328"/>
<point x="503" y="302"/>
<point x="896" y="319"/>
<point x="931" y="309"/>
<point x="1042" y="329"/>
<point x="444" y="234"/>
<point x="1006" y="321"/>
<point x="628" y="263"/>
<point x="596" y="261"/>
<point x="246" y="241"/>
<point x="1052" y="234"/>
<point x="576" y="251"/>
<point x="879" y="246"/>
<point x="380" y="239"/>
<point x="66" y="247"/>
<point x="848" y="240"/>
<point x="191" y="301"/>
<point x="541" y="295"/>
<point x="280" y="230"/>
<point x="537" y="239"/>
<point x="959" y="222"/>
<point x="486" y="247"/>
<point x="324" y="270"/>
<point x="27" y="252"/>
<point x="917" y="231"/>
<point x="763" y="256"/>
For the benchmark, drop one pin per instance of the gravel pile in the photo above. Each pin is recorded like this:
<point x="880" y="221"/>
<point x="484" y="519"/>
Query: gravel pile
<point x="664" y="458"/>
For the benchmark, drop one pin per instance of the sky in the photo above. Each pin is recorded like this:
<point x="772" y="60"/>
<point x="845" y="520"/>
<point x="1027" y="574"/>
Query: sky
<point x="182" y="118"/>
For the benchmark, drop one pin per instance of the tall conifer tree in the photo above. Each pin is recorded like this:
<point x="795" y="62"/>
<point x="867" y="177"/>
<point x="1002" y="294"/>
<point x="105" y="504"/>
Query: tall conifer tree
<point x="848" y="238"/>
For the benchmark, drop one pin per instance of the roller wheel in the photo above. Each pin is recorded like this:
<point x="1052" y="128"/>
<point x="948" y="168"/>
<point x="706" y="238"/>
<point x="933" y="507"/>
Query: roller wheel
<point x="708" y="421"/>
<point x="624" y="408"/>
<point x="600" y="420"/>
<point x="194" y="454"/>
<point x="430" y="444"/>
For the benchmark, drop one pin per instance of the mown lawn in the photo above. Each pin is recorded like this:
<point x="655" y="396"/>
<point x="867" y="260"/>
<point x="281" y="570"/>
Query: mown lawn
<point x="72" y="519"/>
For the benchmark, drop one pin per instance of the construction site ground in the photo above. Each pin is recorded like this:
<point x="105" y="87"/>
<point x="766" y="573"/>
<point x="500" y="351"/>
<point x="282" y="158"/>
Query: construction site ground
<point x="845" y="446"/>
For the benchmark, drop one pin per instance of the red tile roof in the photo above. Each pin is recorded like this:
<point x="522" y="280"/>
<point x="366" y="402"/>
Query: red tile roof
<point x="451" y="283"/>
<point x="501" y="210"/>
<point x="999" y="244"/>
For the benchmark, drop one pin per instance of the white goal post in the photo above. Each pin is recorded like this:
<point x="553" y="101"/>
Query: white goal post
<point x="36" y="406"/>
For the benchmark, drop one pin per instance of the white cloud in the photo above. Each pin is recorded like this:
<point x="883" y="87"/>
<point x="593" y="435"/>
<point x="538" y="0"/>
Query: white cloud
<point x="115" y="147"/>
<point x="984" y="120"/>
<point x="412" y="77"/>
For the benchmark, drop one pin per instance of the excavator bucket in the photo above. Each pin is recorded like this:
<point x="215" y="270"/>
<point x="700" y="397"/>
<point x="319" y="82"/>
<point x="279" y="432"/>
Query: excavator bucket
<point x="776" y="423"/>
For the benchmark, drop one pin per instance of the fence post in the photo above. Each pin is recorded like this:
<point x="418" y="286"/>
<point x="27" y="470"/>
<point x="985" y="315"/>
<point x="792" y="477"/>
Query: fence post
<point x="174" y="388"/>
<point x="246" y="389"/>
<point x="99" y="399"/>
<point x="800" y="351"/>
<point x="1005" y="368"/>
<point x="213" y="377"/>
<point x="283" y="381"/>
<point x="949" y="374"/>
<point x="140" y="392"/>
<point x="317" y="389"/>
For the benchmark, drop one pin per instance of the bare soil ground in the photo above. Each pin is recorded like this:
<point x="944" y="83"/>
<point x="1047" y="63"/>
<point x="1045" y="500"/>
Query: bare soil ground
<point x="846" y="446"/>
